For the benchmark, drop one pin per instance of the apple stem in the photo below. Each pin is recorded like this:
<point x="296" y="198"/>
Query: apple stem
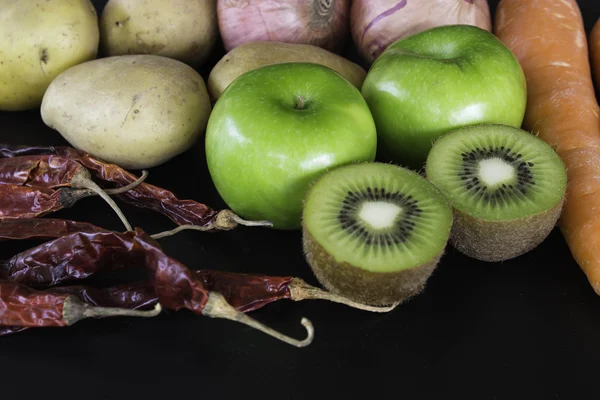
<point x="300" y="103"/>
<point x="225" y="220"/>
<point x="300" y="290"/>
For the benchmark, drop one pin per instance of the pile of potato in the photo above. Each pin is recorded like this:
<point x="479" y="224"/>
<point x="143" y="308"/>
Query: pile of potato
<point x="124" y="86"/>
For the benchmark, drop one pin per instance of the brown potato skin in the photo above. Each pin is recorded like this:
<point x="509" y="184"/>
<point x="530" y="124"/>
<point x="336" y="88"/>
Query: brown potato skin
<point x="252" y="55"/>
<point x="38" y="42"/>
<point x="185" y="30"/>
<point x="137" y="111"/>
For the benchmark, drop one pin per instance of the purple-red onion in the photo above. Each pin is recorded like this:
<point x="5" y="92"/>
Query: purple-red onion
<point x="323" y="23"/>
<point x="377" y="24"/>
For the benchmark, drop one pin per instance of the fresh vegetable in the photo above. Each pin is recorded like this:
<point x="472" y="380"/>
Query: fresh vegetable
<point x="188" y="214"/>
<point x="594" y="44"/>
<point x="137" y="111"/>
<point x="252" y="55"/>
<point x="375" y="232"/>
<point x="377" y="24"/>
<point x="434" y="81"/>
<point x="278" y="127"/>
<point x="185" y="30"/>
<point x="549" y="40"/>
<point x="507" y="188"/>
<point x="317" y="22"/>
<point x="39" y="42"/>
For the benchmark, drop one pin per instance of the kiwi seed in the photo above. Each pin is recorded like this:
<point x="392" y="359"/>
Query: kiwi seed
<point x="506" y="186"/>
<point x="374" y="232"/>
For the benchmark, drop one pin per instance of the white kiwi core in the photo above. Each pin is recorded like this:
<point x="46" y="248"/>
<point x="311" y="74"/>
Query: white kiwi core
<point x="379" y="214"/>
<point x="495" y="171"/>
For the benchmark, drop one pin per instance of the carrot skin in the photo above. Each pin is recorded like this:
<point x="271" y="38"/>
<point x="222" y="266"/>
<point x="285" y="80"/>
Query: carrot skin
<point x="549" y="40"/>
<point x="594" y="42"/>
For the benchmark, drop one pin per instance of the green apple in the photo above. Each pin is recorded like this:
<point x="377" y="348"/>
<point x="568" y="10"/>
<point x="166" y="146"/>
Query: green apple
<point x="277" y="128"/>
<point x="427" y="84"/>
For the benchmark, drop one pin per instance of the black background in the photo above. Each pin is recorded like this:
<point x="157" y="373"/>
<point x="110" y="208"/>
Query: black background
<point x="524" y="329"/>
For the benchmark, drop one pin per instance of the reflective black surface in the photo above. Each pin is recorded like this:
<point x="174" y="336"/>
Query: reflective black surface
<point x="524" y="329"/>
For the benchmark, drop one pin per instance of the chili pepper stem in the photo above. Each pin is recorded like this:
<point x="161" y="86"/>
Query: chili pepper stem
<point x="230" y="215"/>
<point x="203" y="228"/>
<point x="81" y="181"/>
<point x="300" y="290"/>
<point x="225" y="220"/>
<point x="74" y="310"/>
<point x="217" y="307"/>
<point x="74" y="195"/>
<point x="129" y="187"/>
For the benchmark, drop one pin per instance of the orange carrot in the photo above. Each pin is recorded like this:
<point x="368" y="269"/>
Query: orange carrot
<point x="549" y="40"/>
<point x="595" y="52"/>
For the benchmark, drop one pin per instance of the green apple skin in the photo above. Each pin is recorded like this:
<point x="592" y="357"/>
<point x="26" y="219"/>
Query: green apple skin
<point x="263" y="152"/>
<point x="427" y="84"/>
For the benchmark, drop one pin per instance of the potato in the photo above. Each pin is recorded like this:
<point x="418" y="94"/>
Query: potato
<point x="256" y="54"/>
<point x="185" y="30"/>
<point x="137" y="111"/>
<point x="38" y="41"/>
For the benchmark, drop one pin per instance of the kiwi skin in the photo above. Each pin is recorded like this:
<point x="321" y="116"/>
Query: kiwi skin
<point x="372" y="288"/>
<point x="494" y="241"/>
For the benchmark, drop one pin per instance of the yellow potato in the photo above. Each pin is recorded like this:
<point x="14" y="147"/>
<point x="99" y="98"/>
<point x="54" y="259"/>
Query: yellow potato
<point x="39" y="40"/>
<point x="186" y="30"/>
<point x="137" y="111"/>
<point x="252" y="55"/>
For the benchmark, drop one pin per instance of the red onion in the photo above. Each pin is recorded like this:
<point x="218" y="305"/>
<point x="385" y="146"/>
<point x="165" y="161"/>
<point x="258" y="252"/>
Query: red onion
<point x="322" y="23"/>
<point x="377" y="24"/>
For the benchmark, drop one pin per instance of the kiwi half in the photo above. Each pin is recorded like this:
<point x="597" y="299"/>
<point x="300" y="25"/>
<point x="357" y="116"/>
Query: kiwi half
<point x="506" y="185"/>
<point x="374" y="232"/>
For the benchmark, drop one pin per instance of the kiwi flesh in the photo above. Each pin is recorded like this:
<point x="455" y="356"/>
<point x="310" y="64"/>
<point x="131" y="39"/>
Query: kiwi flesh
<point x="507" y="188"/>
<point x="374" y="232"/>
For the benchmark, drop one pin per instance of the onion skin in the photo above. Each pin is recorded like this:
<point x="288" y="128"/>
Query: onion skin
<point x="377" y="24"/>
<point x="322" y="23"/>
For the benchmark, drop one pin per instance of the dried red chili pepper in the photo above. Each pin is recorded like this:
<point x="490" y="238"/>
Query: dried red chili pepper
<point x="175" y="286"/>
<point x="34" y="186"/>
<point x="39" y="171"/>
<point x="9" y="150"/>
<point x="189" y="214"/>
<point x="80" y="254"/>
<point x="73" y="257"/>
<point x="42" y="228"/>
<point x="22" y="306"/>
<point x="26" y="202"/>
<point x="9" y="330"/>
<point x="133" y="296"/>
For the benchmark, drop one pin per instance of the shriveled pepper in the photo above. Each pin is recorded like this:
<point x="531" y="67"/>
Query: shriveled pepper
<point x="43" y="228"/>
<point x="132" y="295"/>
<point x="175" y="286"/>
<point x="34" y="186"/>
<point x="189" y="214"/>
<point x="90" y="250"/>
<point x="22" y="306"/>
<point x="18" y="201"/>
<point x="39" y="171"/>
<point x="73" y="257"/>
